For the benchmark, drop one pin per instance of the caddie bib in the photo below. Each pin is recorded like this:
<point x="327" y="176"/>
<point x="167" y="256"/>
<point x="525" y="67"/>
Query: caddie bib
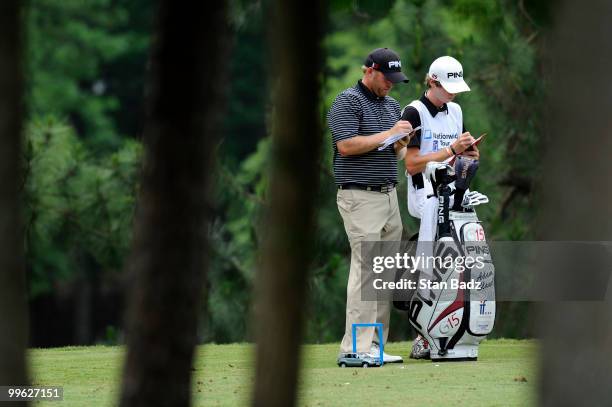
<point x="436" y="133"/>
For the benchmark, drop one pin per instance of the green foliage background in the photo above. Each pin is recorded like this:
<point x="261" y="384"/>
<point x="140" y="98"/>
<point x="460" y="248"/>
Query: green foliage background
<point x="86" y="63"/>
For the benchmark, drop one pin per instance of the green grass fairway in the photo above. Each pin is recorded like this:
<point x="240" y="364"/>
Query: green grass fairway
<point x="505" y="375"/>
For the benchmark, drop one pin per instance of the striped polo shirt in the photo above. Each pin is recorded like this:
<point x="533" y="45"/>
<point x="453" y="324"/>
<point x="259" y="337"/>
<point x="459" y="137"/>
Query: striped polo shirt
<point x="358" y="112"/>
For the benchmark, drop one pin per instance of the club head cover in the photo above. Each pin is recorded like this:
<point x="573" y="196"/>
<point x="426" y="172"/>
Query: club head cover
<point x="434" y="170"/>
<point x="437" y="172"/>
<point x="465" y="169"/>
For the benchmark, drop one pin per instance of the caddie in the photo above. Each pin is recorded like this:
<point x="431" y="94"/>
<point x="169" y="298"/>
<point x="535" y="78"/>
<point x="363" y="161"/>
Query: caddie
<point x="442" y="135"/>
<point x="360" y="119"/>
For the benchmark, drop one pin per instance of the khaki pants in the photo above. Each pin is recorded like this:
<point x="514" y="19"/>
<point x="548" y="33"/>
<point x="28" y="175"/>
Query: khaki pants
<point x="375" y="216"/>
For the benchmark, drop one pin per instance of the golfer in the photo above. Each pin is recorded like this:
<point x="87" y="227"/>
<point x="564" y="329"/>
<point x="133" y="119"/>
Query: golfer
<point x="360" y="119"/>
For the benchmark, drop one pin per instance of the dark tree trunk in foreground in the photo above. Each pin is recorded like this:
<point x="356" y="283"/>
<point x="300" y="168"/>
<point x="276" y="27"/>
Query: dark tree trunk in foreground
<point x="168" y="260"/>
<point x="577" y="336"/>
<point x="282" y="278"/>
<point x="13" y="298"/>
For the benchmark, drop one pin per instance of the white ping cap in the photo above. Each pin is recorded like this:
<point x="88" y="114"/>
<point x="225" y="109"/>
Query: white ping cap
<point x="449" y="72"/>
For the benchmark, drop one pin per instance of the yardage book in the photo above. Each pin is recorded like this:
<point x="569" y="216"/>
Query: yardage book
<point x="392" y="139"/>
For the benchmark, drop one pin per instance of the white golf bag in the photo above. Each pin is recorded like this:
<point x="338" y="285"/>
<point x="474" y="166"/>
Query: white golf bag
<point x="457" y="309"/>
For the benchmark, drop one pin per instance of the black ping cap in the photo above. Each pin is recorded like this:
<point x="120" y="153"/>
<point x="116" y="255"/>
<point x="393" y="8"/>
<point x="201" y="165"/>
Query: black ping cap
<point x="387" y="62"/>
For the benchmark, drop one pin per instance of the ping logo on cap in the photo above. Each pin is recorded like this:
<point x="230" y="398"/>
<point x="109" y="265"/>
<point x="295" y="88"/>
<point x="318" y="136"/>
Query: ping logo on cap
<point x="395" y="64"/>
<point x="455" y="74"/>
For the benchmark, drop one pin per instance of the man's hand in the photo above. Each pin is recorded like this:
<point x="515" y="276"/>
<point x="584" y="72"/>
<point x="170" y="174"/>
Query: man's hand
<point x="472" y="153"/>
<point x="402" y="126"/>
<point x="463" y="142"/>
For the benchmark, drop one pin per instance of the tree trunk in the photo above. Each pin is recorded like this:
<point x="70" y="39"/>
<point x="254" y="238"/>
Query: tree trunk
<point x="287" y="246"/>
<point x="13" y="297"/>
<point x="576" y="336"/>
<point x="167" y="264"/>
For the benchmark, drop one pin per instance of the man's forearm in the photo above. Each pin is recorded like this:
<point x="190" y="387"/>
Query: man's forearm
<point x="358" y="145"/>
<point x="416" y="163"/>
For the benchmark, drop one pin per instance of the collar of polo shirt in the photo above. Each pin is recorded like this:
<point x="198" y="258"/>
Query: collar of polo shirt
<point x="433" y="110"/>
<point x="366" y="91"/>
